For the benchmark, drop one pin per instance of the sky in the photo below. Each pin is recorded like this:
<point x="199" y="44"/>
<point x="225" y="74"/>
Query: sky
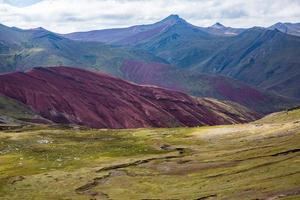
<point x="64" y="16"/>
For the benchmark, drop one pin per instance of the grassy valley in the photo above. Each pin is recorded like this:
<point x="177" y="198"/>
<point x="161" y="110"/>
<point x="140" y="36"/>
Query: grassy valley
<point x="259" y="160"/>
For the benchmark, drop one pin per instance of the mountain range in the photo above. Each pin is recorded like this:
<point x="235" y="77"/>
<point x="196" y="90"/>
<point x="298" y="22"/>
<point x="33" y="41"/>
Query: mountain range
<point x="288" y="28"/>
<point x="23" y="49"/>
<point x="141" y="33"/>
<point x="272" y="51"/>
<point x="255" y="67"/>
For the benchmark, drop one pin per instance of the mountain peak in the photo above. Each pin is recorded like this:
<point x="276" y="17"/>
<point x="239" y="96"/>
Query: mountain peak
<point x="173" y="19"/>
<point x="279" y="25"/>
<point x="218" y="25"/>
<point x="38" y="29"/>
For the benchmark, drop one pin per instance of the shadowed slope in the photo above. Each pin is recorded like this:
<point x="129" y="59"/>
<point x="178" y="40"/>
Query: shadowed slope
<point x="69" y="95"/>
<point x="263" y="58"/>
<point x="203" y="85"/>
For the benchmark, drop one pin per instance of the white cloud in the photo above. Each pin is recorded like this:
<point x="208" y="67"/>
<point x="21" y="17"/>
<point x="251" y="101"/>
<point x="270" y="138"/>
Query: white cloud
<point x="80" y="15"/>
<point x="20" y="3"/>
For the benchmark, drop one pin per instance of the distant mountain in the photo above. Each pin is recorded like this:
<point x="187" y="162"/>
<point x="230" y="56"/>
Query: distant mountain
<point x="183" y="44"/>
<point x="131" y="35"/>
<point x="268" y="59"/>
<point x="260" y="57"/>
<point x="23" y="49"/>
<point x="220" y="29"/>
<point x="142" y="33"/>
<point x="71" y="95"/>
<point x="204" y="85"/>
<point x="288" y="28"/>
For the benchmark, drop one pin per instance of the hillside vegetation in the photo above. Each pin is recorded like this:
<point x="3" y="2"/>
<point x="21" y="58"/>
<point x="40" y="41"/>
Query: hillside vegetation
<point x="288" y="115"/>
<point x="15" y="113"/>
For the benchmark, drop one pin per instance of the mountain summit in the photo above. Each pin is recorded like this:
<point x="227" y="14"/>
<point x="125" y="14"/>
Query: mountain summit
<point x="220" y="29"/>
<point x="288" y="28"/>
<point x="218" y="26"/>
<point x="128" y="36"/>
<point x="172" y="19"/>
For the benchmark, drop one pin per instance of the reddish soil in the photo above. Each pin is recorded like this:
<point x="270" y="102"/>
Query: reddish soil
<point x="76" y="96"/>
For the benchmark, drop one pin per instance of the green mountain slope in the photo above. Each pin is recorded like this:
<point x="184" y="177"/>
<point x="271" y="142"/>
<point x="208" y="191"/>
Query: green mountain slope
<point x="24" y="49"/>
<point x="183" y="45"/>
<point x="268" y="59"/>
<point x="290" y="115"/>
<point x="14" y="113"/>
<point x="259" y="57"/>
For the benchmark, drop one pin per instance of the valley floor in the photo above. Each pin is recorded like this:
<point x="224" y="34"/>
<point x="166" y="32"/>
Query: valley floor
<point x="250" y="161"/>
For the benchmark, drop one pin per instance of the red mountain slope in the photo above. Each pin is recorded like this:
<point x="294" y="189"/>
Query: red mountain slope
<point x="71" y="95"/>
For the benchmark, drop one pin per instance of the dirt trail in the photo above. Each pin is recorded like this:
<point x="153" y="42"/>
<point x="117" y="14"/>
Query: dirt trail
<point x="283" y="194"/>
<point x="114" y="170"/>
<point x="284" y="153"/>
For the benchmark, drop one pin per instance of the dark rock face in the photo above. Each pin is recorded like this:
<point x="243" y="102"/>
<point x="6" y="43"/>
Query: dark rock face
<point x="71" y="95"/>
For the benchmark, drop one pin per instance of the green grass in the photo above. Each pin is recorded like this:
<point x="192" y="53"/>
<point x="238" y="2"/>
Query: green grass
<point x="282" y="117"/>
<point x="14" y="109"/>
<point x="223" y="162"/>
